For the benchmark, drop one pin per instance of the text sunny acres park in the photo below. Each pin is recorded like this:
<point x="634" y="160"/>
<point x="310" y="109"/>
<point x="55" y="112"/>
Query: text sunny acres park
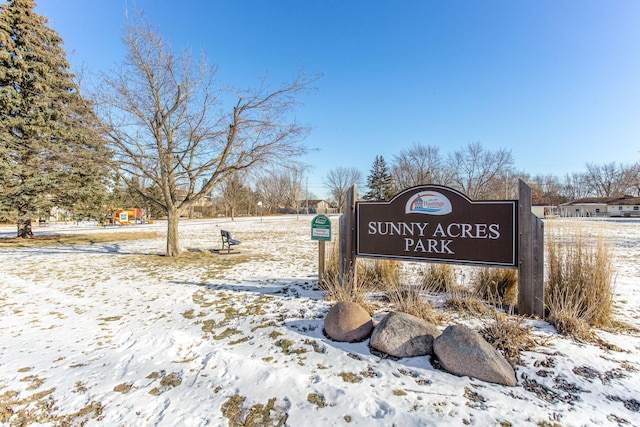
<point x="435" y="238"/>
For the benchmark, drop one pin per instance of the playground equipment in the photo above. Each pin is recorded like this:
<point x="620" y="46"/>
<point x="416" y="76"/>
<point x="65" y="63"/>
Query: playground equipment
<point x="127" y="216"/>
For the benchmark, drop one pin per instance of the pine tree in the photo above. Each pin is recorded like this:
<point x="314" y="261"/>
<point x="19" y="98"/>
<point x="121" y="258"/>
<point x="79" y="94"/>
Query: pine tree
<point x="51" y="153"/>
<point x="379" y="181"/>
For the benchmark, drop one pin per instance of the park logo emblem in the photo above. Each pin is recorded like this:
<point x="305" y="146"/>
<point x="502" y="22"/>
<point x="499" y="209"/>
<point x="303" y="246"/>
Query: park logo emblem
<point x="428" y="203"/>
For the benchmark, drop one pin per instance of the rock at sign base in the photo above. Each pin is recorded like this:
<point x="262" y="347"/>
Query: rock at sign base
<point x="404" y="335"/>
<point x="463" y="351"/>
<point x="348" y="321"/>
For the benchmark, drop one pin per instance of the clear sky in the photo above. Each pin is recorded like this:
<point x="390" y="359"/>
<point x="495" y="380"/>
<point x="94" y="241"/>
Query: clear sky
<point x="556" y="82"/>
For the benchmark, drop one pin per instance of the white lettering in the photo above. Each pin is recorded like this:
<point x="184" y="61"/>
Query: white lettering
<point x="407" y="243"/>
<point x="494" y="230"/>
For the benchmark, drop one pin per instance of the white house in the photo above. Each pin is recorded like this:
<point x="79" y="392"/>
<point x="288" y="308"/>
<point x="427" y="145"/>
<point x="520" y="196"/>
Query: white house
<point x="602" y="207"/>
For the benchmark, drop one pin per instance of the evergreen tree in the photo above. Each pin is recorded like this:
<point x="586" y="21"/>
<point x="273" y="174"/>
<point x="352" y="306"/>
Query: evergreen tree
<point x="51" y="153"/>
<point x="379" y="181"/>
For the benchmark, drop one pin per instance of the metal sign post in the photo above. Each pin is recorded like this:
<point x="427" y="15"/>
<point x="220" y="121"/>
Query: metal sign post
<point x="321" y="231"/>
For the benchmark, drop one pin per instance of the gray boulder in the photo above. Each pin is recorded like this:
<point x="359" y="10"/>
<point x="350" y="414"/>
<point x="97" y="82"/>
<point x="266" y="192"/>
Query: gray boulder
<point x="463" y="351"/>
<point x="348" y="321"/>
<point x="404" y="335"/>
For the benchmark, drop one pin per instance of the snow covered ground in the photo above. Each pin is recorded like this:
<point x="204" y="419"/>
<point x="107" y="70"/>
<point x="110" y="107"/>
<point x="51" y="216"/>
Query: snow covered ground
<point x="112" y="334"/>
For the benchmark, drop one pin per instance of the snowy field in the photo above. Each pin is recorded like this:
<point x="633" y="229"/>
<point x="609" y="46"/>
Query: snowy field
<point x="112" y="334"/>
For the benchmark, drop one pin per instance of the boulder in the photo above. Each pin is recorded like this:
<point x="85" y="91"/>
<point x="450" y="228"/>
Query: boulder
<point x="463" y="351"/>
<point x="348" y="321"/>
<point x="404" y="335"/>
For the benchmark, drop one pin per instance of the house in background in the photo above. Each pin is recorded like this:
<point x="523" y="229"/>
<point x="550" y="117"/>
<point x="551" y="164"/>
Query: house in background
<point x="317" y="207"/>
<point x="625" y="206"/>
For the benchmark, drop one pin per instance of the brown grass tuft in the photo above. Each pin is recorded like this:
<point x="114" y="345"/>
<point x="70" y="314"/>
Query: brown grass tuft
<point x="509" y="335"/>
<point x="351" y="290"/>
<point x="438" y="277"/>
<point x="408" y="299"/>
<point x="579" y="285"/>
<point x="497" y="285"/>
<point x="379" y="272"/>
<point x="464" y="300"/>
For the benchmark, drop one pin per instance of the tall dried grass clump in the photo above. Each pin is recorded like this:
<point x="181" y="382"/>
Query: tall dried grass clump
<point x="579" y="284"/>
<point x="510" y="336"/>
<point x="351" y="290"/>
<point x="379" y="272"/>
<point x="464" y="300"/>
<point x="408" y="298"/>
<point x="497" y="285"/>
<point x="438" y="277"/>
<point x="370" y="276"/>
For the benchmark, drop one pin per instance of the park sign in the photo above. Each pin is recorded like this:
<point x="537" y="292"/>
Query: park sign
<point x="438" y="224"/>
<point x="321" y="228"/>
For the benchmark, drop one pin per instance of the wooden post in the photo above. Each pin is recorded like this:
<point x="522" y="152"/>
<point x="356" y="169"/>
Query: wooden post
<point x="530" y="257"/>
<point x="346" y="259"/>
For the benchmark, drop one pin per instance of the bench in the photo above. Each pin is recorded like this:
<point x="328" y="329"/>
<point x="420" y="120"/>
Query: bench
<point x="227" y="240"/>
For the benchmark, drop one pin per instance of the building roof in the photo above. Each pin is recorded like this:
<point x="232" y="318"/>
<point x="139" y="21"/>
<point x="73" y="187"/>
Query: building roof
<point x="624" y="200"/>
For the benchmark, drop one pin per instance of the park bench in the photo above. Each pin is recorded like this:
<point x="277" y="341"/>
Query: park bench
<point x="227" y="240"/>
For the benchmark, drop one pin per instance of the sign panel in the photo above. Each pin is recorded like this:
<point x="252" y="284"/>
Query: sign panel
<point x="438" y="224"/>
<point x="321" y="228"/>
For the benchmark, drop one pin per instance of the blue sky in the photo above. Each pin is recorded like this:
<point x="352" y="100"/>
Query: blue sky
<point x="555" y="82"/>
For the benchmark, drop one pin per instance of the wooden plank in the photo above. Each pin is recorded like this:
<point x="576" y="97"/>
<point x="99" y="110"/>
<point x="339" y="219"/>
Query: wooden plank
<point x="525" y="267"/>
<point x="347" y="261"/>
<point x="530" y="257"/>
<point x="538" y="266"/>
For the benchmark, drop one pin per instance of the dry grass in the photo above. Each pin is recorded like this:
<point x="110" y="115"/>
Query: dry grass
<point x="371" y="275"/>
<point x="438" y="277"/>
<point x="497" y="285"/>
<point x="75" y="239"/>
<point x="579" y="284"/>
<point x="508" y="334"/>
<point x="381" y="273"/>
<point x="465" y="301"/>
<point x="408" y="299"/>
<point x="351" y="290"/>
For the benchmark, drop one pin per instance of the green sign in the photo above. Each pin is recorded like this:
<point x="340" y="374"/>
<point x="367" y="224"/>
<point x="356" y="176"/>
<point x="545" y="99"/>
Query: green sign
<point x="321" y="228"/>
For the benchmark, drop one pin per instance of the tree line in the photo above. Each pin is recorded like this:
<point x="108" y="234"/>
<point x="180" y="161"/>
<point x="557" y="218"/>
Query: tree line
<point x="481" y="174"/>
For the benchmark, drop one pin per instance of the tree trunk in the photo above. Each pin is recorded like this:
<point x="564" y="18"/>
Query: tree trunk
<point x="25" y="230"/>
<point x="173" y="244"/>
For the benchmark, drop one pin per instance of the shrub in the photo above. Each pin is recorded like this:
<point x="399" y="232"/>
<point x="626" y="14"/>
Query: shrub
<point x="579" y="284"/>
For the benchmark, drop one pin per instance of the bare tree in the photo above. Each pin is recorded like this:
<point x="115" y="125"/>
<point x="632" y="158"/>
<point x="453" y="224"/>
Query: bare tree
<point x="338" y="181"/>
<point x="282" y="188"/>
<point x="418" y="165"/>
<point x="610" y="179"/>
<point x="164" y="116"/>
<point x="478" y="172"/>
<point x="233" y="194"/>
<point x="575" y="186"/>
<point x="549" y="190"/>
<point x="635" y="179"/>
